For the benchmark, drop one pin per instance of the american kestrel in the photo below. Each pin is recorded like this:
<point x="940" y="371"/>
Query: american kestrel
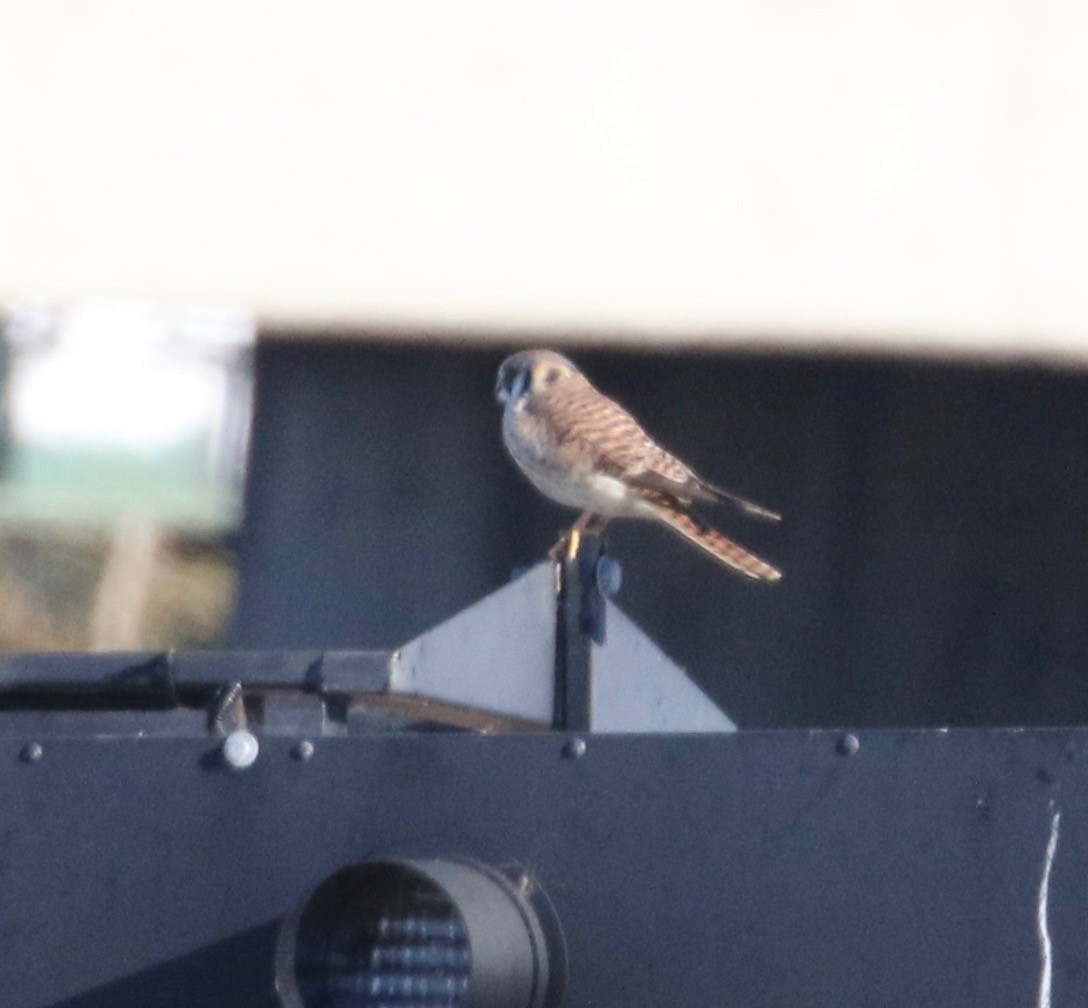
<point x="581" y="449"/>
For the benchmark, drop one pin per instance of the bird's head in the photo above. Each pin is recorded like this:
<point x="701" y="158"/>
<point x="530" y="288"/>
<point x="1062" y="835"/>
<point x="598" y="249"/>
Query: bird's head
<point x="531" y="371"/>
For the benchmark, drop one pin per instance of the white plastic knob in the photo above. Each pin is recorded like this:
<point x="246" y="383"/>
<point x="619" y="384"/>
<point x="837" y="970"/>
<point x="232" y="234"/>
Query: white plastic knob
<point x="240" y="749"/>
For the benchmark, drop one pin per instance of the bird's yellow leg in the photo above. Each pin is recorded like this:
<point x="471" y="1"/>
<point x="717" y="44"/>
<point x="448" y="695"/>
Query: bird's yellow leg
<point x="567" y="545"/>
<point x="574" y="541"/>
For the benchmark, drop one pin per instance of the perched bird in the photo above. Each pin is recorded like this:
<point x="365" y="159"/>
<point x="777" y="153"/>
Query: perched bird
<point x="581" y="449"/>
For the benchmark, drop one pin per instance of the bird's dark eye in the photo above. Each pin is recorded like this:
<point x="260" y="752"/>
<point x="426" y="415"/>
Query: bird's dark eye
<point x="551" y="376"/>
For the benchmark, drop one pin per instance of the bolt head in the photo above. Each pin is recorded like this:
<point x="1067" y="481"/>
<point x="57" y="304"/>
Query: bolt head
<point x="240" y="749"/>
<point x="848" y="745"/>
<point x="609" y="576"/>
<point x="31" y="752"/>
<point x="303" y="750"/>
<point x="574" y="748"/>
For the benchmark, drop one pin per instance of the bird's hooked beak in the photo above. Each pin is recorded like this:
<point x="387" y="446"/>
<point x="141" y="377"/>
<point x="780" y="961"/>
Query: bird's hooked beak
<point x="510" y="384"/>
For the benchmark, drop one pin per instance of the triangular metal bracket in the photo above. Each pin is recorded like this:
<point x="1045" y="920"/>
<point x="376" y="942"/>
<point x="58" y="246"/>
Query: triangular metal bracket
<point x="551" y="648"/>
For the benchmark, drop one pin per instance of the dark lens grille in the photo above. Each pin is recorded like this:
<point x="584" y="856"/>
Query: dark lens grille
<point x="396" y="941"/>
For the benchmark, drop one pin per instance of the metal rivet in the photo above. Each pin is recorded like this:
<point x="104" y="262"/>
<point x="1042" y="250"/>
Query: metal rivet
<point x="848" y="745"/>
<point x="31" y="753"/>
<point x="574" y="748"/>
<point x="240" y="749"/>
<point x="302" y="751"/>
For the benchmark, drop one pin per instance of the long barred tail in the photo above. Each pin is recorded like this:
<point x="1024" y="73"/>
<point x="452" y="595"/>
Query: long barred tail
<point x="717" y="545"/>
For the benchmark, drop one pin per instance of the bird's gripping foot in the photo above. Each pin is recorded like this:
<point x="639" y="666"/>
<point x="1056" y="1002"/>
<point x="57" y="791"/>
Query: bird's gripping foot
<point x="567" y="545"/>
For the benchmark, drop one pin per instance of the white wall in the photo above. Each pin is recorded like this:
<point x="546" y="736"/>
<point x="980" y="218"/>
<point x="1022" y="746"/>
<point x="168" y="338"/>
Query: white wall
<point x="912" y="171"/>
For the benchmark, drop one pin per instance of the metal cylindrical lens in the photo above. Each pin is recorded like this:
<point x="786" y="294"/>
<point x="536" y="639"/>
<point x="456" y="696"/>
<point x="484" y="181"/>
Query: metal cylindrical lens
<point x="414" y="934"/>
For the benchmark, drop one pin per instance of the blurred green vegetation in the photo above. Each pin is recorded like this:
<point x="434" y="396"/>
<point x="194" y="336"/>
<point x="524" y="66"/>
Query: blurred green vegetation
<point x="84" y="486"/>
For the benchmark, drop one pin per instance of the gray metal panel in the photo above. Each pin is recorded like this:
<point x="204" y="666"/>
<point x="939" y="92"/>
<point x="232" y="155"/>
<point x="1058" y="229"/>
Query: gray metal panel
<point x="638" y="688"/>
<point x="497" y="655"/>
<point x="756" y="869"/>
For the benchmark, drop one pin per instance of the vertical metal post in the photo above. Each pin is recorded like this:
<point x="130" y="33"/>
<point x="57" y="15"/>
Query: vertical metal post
<point x="580" y="621"/>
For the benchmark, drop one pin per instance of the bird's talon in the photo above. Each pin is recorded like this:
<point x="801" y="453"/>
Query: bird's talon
<point x="566" y="546"/>
<point x="574" y="542"/>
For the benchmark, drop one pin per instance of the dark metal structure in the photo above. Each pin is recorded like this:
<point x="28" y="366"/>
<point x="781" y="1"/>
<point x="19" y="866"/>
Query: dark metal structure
<point x="180" y="829"/>
<point x="933" y="541"/>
